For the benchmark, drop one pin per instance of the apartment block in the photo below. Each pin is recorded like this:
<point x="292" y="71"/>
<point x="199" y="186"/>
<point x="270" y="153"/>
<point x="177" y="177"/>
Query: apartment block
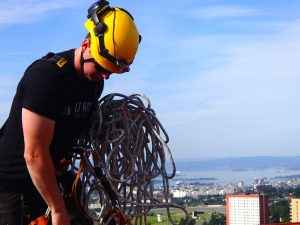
<point x="247" y="209"/>
<point x="295" y="209"/>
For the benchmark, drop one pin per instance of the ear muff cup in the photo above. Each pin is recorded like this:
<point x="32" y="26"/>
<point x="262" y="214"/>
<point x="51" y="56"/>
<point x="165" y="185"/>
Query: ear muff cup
<point x="93" y="12"/>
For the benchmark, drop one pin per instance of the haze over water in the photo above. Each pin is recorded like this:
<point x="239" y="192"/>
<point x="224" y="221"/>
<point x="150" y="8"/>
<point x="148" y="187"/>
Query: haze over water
<point x="233" y="176"/>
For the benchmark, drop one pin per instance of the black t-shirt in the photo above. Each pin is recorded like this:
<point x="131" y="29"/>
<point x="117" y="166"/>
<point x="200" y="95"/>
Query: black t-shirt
<point x="59" y="94"/>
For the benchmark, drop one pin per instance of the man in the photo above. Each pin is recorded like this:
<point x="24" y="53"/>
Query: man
<point x="51" y="108"/>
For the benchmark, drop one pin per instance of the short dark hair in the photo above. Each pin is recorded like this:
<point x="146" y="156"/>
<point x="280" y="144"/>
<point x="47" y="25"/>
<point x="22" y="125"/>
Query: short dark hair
<point x="88" y="36"/>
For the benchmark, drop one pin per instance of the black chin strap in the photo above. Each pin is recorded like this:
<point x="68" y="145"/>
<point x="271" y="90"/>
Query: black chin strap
<point x="97" y="66"/>
<point x="81" y="60"/>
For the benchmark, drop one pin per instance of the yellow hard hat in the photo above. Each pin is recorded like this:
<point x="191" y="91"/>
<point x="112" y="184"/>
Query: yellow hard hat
<point x="114" y="37"/>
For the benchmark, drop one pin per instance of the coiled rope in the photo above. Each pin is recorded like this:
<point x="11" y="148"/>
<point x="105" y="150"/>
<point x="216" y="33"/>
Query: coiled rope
<point x="124" y="153"/>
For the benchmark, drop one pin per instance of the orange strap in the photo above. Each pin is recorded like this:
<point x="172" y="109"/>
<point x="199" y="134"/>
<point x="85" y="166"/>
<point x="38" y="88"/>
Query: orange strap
<point x="40" y="221"/>
<point x="75" y="185"/>
<point x="63" y="166"/>
<point x="119" y="217"/>
<point x="75" y="191"/>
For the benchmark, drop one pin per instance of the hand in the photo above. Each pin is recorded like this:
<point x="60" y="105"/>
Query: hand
<point x="60" y="218"/>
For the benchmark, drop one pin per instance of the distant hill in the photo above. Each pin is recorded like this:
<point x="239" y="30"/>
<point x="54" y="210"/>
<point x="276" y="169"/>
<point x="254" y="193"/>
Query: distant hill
<point x="242" y="163"/>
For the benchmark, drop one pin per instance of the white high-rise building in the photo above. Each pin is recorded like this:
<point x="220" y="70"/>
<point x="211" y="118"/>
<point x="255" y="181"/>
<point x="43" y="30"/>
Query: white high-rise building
<point x="247" y="209"/>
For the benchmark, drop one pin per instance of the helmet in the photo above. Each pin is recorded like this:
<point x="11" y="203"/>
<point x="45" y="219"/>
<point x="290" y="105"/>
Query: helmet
<point x="114" y="37"/>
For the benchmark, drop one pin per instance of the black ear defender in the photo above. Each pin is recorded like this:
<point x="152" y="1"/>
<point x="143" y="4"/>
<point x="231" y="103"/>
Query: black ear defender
<point x="94" y="13"/>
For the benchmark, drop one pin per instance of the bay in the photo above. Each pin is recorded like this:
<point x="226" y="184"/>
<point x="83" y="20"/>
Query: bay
<point x="232" y="176"/>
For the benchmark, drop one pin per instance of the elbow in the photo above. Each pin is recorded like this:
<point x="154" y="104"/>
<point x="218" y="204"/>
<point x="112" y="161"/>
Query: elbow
<point x="31" y="157"/>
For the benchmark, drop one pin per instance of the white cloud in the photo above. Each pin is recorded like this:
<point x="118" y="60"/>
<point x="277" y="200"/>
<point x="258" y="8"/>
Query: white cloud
<point x="217" y="12"/>
<point x="24" y="11"/>
<point x="249" y="97"/>
<point x="260" y="74"/>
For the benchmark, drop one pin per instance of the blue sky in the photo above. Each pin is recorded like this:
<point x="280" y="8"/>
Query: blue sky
<point x="222" y="76"/>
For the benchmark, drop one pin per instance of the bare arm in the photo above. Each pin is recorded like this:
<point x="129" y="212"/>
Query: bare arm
<point x="38" y="134"/>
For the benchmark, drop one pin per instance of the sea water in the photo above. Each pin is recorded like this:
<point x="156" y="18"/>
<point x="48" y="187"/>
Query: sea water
<point x="232" y="176"/>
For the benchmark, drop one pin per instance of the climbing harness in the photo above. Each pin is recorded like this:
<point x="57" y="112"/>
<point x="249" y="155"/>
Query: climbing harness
<point x="42" y="220"/>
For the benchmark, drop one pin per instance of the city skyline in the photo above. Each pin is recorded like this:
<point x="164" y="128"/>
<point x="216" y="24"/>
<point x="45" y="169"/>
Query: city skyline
<point x="221" y="75"/>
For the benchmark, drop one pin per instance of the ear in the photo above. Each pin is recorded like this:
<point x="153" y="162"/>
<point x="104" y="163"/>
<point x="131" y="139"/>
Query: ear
<point x="85" y="44"/>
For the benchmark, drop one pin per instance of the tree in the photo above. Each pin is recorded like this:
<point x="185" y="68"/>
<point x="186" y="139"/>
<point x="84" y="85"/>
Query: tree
<point x="216" y="219"/>
<point x="280" y="210"/>
<point x="187" y="222"/>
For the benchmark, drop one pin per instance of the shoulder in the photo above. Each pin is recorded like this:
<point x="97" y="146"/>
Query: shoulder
<point x="52" y="63"/>
<point x="42" y="76"/>
<point x="41" y="69"/>
<point x="40" y="87"/>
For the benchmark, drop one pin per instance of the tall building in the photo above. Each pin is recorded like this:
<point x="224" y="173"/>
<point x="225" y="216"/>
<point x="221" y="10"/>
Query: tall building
<point x="295" y="209"/>
<point x="247" y="209"/>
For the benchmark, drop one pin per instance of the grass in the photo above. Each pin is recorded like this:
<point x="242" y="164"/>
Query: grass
<point x="177" y="215"/>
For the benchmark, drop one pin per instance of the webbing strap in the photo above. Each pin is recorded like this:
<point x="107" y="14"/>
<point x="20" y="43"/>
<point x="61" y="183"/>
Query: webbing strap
<point x="57" y="59"/>
<point x="76" y="184"/>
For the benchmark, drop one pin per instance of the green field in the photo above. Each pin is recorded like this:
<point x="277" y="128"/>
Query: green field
<point x="177" y="215"/>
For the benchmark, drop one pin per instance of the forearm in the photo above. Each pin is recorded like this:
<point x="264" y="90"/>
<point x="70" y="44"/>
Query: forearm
<point x="42" y="172"/>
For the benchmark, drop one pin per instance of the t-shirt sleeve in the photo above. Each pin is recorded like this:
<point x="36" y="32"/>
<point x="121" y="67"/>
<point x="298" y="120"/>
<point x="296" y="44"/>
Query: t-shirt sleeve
<point x="38" y="87"/>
